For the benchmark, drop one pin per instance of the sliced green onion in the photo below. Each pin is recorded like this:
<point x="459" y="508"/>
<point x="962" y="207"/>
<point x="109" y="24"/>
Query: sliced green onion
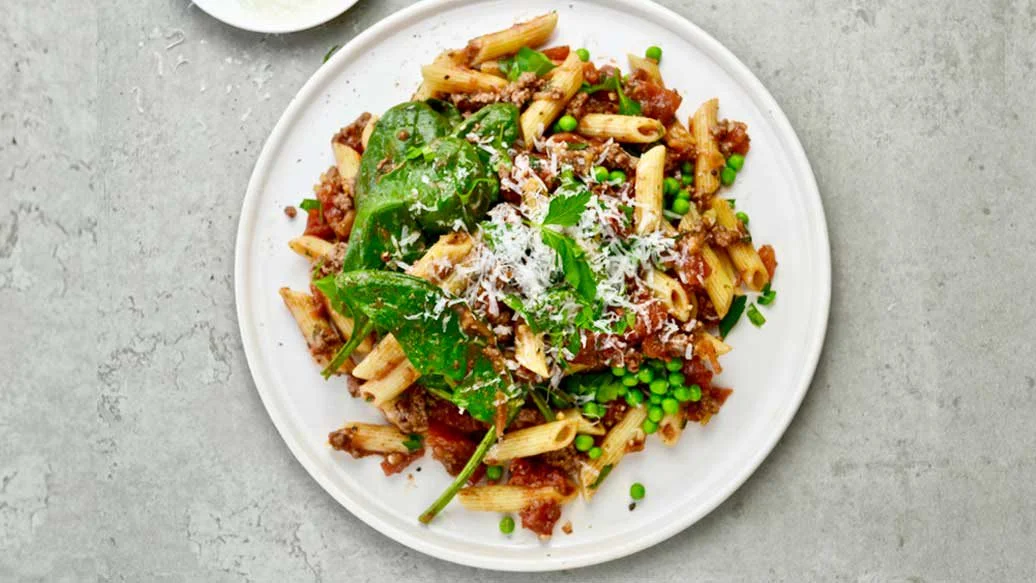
<point x="767" y="296"/>
<point x="737" y="307"/>
<point x="309" y="204"/>
<point x="755" y="316"/>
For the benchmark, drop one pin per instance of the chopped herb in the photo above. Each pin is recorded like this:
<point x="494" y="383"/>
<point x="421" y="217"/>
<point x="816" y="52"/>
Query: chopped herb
<point x="731" y="202"/>
<point x="573" y="262"/>
<point x="565" y="211"/>
<point x="737" y="307"/>
<point x="755" y="316"/>
<point x="330" y="52"/>
<point x="767" y="296"/>
<point x="412" y="442"/>
<point x="627" y="106"/>
<point x="310" y="204"/>
<point x="575" y="146"/>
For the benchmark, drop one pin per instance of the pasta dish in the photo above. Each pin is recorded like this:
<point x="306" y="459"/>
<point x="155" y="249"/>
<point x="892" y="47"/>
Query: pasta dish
<point x="530" y="268"/>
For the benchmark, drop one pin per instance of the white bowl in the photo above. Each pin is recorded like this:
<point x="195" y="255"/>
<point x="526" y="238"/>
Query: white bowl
<point x="274" y="16"/>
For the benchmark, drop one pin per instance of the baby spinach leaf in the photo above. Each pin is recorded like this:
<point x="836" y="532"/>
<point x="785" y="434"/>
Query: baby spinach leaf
<point x="526" y="60"/>
<point x="447" y="110"/>
<point x="495" y="128"/>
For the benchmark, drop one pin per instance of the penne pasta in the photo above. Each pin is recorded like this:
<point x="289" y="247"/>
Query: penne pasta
<point x="389" y="385"/>
<point x="718" y="346"/>
<point x="439" y="260"/>
<point x="649" y="66"/>
<point x="562" y="83"/>
<point x="310" y="247"/>
<point x="529" y="351"/>
<point x="612" y="449"/>
<point x="678" y="137"/>
<point x="584" y="425"/>
<point x="710" y="160"/>
<point x="670" y="292"/>
<point x="322" y="339"/>
<point x="347" y="160"/>
<point x="532" y="33"/>
<point x="382" y="358"/>
<point x="368" y="130"/>
<point x="492" y="68"/>
<point x="445" y="78"/>
<point x="719" y="284"/>
<point x="647" y="210"/>
<point x="533" y="440"/>
<point x="742" y="254"/>
<point x="345" y="326"/>
<point x="621" y="128"/>
<point x="506" y="498"/>
<point x="373" y="438"/>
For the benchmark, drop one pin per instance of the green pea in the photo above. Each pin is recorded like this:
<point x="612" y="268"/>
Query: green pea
<point x="736" y="161"/>
<point x="591" y="409"/>
<point x="634" y="398"/>
<point x="594" y="453"/>
<point x="494" y="473"/>
<point x="670" y="405"/>
<point x="655" y="364"/>
<point x="649" y="426"/>
<point x="670" y="186"/>
<point x="618" y="371"/>
<point x="617" y="176"/>
<point x="567" y="123"/>
<point x="655" y="399"/>
<point x="653" y="53"/>
<point x="583" y="54"/>
<point x="741" y="216"/>
<point x="600" y="173"/>
<point x="677" y="379"/>
<point x="695" y="393"/>
<point x="584" y="442"/>
<point x="684" y="194"/>
<point x="727" y="175"/>
<point x="682" y="394"/>
<point x="687" y="167"/>
<point x="659" y="386"/>
<point x="655" y="413"/>
<point x="687" y="178"/>
<point x="674" y="365"/>
<point x="681" y="206"/>
<point x="646" y="375"/>
<point x="621" y="390"/>
<point x="507" y="525"/>
<point x="637" y="491"/>
<point x="630" y="380"/>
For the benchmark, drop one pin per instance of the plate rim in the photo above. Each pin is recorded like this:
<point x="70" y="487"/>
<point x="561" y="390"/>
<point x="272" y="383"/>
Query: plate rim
<point x="800" y="165"/>
<point x="208" y="7"/>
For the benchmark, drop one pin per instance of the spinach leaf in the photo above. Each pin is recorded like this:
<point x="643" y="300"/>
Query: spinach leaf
<point x="573" y="262"/>
<point x="495" y="128"/>
<point x="613" y="82"/>
<point x="526" y="60"/>
<point x="447" y="110"/>
<point x="439" y="334"/>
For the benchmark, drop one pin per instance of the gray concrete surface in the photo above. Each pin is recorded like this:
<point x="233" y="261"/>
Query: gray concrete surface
<point x="133" y="446"/>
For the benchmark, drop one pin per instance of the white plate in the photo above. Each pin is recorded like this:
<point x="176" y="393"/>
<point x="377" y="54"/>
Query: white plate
<point x="274" y="15"/>
<point x="770" y="367"/>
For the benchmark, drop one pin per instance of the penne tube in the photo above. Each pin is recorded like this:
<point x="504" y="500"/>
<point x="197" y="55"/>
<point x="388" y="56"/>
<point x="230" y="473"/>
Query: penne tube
<point x="742" y="254"/>
<point x="562" y="83"/>
<point x="453" y="79"/>
<point x="621" y="128"/>
<point x="718" y="346"/>
<point x="345" y="326"/>
<point x="719" y="284"/>
<point x="505" y="498"/>
<point x="649" y="66"/>
<point x="372" y="438"/>
<point x="347" y="160"/>
<point x="441" y="257"/>
<point x="710" y="160"/>
<point x="532" y="33"/>
<point x="647" y="210"/>
<point x="612" y="449"/>
<point x="671" y="427"/>
<point x="529" y="351"/>
<point x="533" y="440"/>
<point x="390" y="385"/>
<point x="492" y="68"/>
<point x="669" y="291"/>
<point x="584" y="425"/>
<point x="310" y="247"/>
<point x="321" y="338"/>
<point x="385" y="356"/>
<point x="678" y="137"/>
<point x="368" y="130"/>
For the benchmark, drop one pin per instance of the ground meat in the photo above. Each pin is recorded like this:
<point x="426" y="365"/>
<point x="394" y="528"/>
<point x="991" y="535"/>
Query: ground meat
<point x="535" y="473"/>
<point x="732" y="137"/>
<point x="409" y="412"/>
<point x="564" y="459"/>
<point x="397" y="462"/>
<point x="526" y="418"/>
<point x="331" y="264"/>
<point x="615" y="157"/>
<point x="336" y="203"/>
<point x="769" y="259"/>
<point x="518" y="92"/>
<point x="290" y="211"/>
<point x="712" y="398"/>
<point x="577" y="105"/>
<point x="616" y="411"/>
<point x="452" y="448"/>
<point x="447" y="414"/>
<point x="317" y="227"/>
<point x="674" y="345"/>
<point x="721" y="236"/>
<point x="352" y="134"/>
<point x="541" y="516"/>
<point x="655" y="101"/>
